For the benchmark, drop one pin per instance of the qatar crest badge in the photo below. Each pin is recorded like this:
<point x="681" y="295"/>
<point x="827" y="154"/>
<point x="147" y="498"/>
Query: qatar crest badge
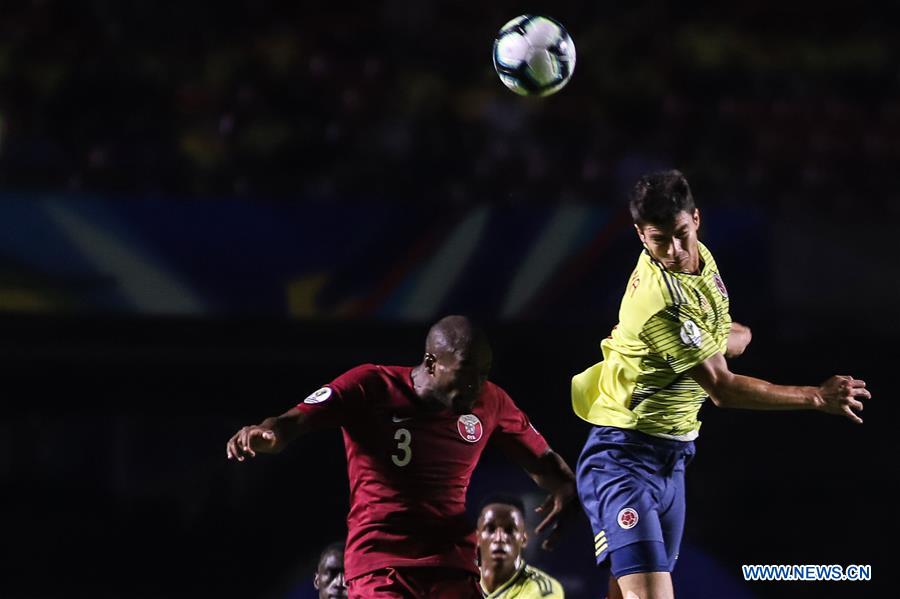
<point x="469" y="427"/>
<point x="720" y="284"/>
<point x="627" y="518"/>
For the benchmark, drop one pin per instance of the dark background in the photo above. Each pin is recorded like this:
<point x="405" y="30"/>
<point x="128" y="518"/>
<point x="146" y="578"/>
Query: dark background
<point x="185" y="125"/>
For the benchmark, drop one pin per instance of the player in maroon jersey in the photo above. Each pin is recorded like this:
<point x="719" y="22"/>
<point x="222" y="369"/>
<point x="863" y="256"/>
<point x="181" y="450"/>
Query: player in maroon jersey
<point x="413" y="436"/>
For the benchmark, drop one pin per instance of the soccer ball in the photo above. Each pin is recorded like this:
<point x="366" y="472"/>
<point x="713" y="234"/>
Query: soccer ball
<point x="534" y="56"/>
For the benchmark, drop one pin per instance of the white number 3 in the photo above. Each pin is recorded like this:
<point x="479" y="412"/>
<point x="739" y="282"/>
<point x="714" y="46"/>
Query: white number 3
<point x="403" y="438"/>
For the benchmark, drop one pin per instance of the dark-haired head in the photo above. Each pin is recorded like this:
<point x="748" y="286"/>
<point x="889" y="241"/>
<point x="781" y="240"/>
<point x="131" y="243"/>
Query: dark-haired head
<point x="658" y="198"/>
<point x="666" y="219"/>
<point x="501" y="536"/>
<point x="503" y="499"/>
<point x="337" y="547"/>
<point x="329" y="579"/>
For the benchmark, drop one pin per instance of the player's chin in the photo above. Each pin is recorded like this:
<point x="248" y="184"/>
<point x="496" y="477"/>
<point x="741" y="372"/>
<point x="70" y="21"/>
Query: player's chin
<point x="499" y="559"/>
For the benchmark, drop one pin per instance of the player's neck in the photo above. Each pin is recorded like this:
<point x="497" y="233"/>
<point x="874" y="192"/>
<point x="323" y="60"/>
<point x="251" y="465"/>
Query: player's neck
<point x="699" y="269"/>
<point x="494" y="578"/>
<point x="694" y="270"/>
<point x="420" y="388"/>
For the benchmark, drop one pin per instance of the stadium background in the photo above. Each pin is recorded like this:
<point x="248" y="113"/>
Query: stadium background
<point x="205" y="213"/>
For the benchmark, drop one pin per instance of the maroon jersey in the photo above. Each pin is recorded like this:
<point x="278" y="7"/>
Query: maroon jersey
<point x="409" y="468"/>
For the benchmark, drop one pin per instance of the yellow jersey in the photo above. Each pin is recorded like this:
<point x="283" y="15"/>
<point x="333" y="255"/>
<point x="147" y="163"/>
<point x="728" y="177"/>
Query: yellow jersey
<point x="528" y="583"/>
<point x="668" y="323"/>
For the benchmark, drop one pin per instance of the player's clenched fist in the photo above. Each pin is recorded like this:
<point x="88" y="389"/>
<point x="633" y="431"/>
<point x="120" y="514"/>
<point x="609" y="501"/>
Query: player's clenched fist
<point x="250" y="439"/>
<point x="841" y="395"/>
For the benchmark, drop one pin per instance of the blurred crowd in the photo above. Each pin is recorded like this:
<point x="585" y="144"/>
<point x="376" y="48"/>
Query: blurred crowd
<point x="775" y="103"/>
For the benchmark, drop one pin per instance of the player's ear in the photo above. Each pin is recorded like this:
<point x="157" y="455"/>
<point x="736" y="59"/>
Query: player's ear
<point x="316" y="581"/>
<point x="640" y="233"/>
<point x="430" y="361"/>
<point x="696" y="216"/>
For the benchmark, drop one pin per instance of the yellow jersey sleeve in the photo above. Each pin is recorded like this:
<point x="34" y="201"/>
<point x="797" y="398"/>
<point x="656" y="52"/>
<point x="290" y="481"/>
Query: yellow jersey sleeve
<point x="678" y="334"/>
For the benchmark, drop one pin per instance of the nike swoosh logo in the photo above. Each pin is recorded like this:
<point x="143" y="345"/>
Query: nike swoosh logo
<point x="398" y="419"/>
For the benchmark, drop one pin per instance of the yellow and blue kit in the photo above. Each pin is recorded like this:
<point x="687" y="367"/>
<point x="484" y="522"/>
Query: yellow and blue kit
<point x="644" y="406"/>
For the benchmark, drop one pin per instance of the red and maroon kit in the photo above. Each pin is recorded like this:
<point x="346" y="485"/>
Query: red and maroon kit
<point x="409" y="468"/>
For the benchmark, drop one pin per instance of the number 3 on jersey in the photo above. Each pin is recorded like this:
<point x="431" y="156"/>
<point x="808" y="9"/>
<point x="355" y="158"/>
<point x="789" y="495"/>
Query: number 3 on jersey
<point x="403" y="438"/>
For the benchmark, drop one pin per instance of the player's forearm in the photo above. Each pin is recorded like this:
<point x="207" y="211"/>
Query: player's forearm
<point x="286" y="427"/>
<point x="749" y="393"/>
<point x="738" y="339"/>
<point x="551" y="473"/>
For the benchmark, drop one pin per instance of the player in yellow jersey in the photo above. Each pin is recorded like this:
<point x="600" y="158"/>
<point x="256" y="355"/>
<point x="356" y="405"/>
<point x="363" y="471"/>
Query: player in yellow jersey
<point x="329" y="579"/>
<point x="501" y="538"/>
<point x="668" y="354"/>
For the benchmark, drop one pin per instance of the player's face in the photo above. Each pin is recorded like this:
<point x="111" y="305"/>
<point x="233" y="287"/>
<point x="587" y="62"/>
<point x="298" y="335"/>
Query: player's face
<point x="674" y="245"/>
<point x="501" y="536"/>
<point x="459" y="379"/>
<point x="330" y="576"/>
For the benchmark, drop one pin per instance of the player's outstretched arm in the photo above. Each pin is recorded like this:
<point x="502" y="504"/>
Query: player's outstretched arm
<point x="738" y="339"/>
<point x="270" y="436"/>
<point x="551" y="473"/>
<point x="840" y="395"/>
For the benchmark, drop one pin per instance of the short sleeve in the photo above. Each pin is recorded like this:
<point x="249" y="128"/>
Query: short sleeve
<point x="677" y="334"/>
<point x="514" y="432"/>
<point x="329" y="406"/>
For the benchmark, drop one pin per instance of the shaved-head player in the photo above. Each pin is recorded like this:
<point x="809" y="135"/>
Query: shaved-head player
<point x="329" y="579"/>
<point x="413" y="436"/>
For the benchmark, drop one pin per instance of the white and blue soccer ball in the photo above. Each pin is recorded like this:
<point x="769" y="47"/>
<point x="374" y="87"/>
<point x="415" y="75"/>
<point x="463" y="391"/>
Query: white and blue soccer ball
<point x="534" y="56"/>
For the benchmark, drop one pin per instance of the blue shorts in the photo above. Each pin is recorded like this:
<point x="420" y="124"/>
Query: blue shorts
<point x="631" y="486"/>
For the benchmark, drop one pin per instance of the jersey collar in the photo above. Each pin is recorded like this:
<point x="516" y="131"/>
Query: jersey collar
<point x="506" y="585"/>
<point x="705" y="260"/>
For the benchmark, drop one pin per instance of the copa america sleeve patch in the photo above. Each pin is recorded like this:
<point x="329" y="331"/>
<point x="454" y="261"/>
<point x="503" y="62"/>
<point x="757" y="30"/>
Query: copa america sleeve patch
<point x="318" y="396"/>
<point x="690" y="334"/>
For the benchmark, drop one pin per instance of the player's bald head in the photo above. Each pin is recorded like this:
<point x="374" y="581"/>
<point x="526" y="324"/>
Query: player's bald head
<point x="458" y="335"/>
<point x="456" y="365"/>
<point x="329" y="578"/>
<point x="336" y="548"/>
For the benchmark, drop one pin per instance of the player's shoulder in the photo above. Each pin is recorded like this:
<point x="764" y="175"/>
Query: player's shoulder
<point x="706" y="255"/>
<point x="369" y="376"/>
<point x="494" y="397"/>
<point x="651" y="290"/>
<point x="373" y="383"/>
<point x="395" y="373"/>
<point x="494" y="389"/>
<point x="362" y="372"/>
<point x="543" y="585"/>
<point x="495" y="403"/>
